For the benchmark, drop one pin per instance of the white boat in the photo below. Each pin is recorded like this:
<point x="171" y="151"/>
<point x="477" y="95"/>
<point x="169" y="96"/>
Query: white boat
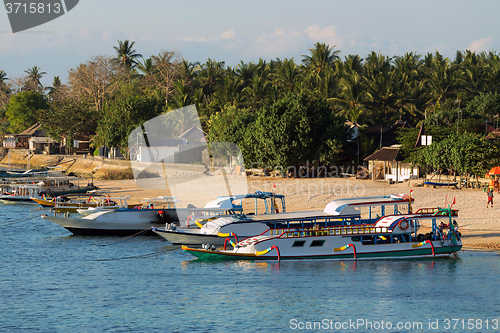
<point x="23" y="190"/>
<point x="392" y="236"/>
<point x="214" y="231"/>
<point x="155" y="213"/>
<point x="20" y="193"/>
<point x="103" y="203"/>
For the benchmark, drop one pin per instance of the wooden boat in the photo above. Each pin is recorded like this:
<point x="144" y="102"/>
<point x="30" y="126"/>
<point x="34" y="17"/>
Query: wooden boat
<point x="249" y="225"/>
<point x="391" y="236"/>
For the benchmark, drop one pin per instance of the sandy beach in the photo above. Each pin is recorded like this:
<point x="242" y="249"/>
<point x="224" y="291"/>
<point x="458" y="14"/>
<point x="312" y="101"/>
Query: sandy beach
<point x="480" y="226"/>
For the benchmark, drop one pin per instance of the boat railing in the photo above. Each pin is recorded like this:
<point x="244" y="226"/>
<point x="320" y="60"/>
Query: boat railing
<point x="359" y="229"/>
<point x="435" y="211"/>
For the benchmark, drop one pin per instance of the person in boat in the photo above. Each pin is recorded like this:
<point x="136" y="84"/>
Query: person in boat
<point x="455" y="226"/>
<point x="490" y="197"/>
<point x="442" y="226"/>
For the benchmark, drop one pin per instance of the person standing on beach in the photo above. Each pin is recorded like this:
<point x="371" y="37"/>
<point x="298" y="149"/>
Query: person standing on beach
<point x="490" y="197"/>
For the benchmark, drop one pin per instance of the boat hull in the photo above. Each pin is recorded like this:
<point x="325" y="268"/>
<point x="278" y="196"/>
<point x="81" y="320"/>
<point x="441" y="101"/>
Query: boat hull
<point x="100" y="226"/>
<point x="180" y="238"/>
<point x="388" y="254"/>
<point x="16" y="200"/>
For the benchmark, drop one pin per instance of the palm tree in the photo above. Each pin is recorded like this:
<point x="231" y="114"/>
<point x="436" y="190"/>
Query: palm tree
<point x="257" y="92"/>
<point x="475" y="72"/>
<point x="211" y="76"/>
<point x="245" y="73"/>
<point x="146" y="66"/>
<point x="188" y="72"/>
<point x="34" y="76"/>
<point x="442" y="79"/>
<point x="125" y="55"/>
<point x="3" y="78"/>
<point x="55" y="88"/>
<point x="376" y="64"/>
<point x="322" y="57"/>
<point x="352" y="94"/>
<point x="287" y="75"/>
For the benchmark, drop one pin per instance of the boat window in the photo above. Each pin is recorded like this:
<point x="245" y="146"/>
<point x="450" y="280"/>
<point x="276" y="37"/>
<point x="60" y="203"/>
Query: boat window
<point x="355" y="239"/>
<point x="298" y="243"/>
<point x="317" y="243"/>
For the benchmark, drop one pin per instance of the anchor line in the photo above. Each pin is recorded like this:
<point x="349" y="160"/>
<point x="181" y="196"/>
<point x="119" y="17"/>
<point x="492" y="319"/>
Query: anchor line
<point x="123" y="239"/>
<point x="153" y="254"/>
<point x="6" y="224"/>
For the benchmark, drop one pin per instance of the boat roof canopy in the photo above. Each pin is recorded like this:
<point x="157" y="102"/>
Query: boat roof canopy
<point x="350" y="205"/>
<point x="227" y="201"/>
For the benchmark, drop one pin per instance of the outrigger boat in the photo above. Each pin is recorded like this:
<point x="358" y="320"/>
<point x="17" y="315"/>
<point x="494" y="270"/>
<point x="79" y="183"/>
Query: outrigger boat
<point x="391" y="236"/>
<point x="370" y="208"/>
<point x="155" y="212"/>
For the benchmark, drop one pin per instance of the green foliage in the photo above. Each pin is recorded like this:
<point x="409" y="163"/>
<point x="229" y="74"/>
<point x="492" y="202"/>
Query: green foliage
<point x="22" y="110"/>
<point x="296" y="130"/>
<point x="231" y="125"/>
<point x="121" y="118"/>
<point x="486" y="105"/>
<point x="464" y="153"/>
<point x="407" y="137"/>
<point x="66" y="118"/>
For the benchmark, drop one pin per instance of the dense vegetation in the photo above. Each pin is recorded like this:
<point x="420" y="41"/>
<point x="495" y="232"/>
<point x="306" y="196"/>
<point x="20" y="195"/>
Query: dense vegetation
<point x="281" y="111"/>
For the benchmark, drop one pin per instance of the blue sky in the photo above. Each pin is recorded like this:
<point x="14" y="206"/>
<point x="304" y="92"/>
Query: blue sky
<point x="234" y="30"/>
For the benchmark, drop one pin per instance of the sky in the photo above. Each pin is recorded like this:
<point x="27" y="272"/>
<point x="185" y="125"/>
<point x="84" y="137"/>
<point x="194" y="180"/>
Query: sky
<point x="234" y="31"/>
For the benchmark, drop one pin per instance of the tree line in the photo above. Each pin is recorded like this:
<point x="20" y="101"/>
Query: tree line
<point x="281" y="111"/>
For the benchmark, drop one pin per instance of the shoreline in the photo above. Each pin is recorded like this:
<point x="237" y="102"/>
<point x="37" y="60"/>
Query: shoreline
<point x="479" y="226"/>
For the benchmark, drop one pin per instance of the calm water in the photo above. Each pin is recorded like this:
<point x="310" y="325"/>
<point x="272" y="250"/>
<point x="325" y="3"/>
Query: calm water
<point x="52" y="281"/>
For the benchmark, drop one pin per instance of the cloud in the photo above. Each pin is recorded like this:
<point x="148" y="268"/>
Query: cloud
<point x="441" y="48"/>
<point x="329" y="35"/>
<point x="275" y="43"/>
<point x="228" y="34"/>
<point x="481" y="45"/>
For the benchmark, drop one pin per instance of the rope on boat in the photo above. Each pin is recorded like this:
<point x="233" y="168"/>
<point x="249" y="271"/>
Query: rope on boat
<point x="6" y="224"/>
<point x="153" y="254"/>
<point x="123" y="239"/>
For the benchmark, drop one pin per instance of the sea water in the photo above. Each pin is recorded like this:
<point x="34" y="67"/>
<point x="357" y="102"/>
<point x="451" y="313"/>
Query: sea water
<point x="52" y="281"/>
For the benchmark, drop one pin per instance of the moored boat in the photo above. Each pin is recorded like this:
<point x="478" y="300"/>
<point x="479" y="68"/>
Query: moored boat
<point x="83" y="206"/>
<point x="155" y="212"/>
<point x="392" y="236"/>
<point x="23" y="190"/>
<point x="353" y="209"/>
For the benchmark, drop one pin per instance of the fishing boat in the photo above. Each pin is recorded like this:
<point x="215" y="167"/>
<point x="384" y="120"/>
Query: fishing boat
<point x="391" y="236"/>
<point x="24" y="190"/>
<point x="214" y="231"/>
<point x="154" y="212"/>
